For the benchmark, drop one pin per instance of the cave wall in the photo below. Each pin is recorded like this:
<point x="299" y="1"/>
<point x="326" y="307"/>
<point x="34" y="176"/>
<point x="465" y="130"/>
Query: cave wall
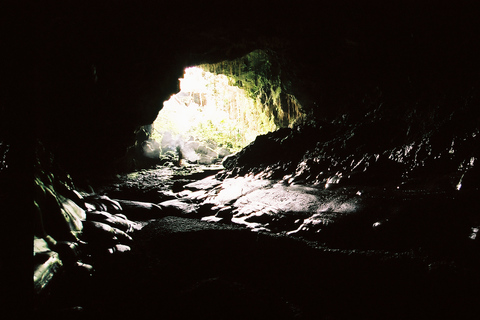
<point x="102" y="70"/>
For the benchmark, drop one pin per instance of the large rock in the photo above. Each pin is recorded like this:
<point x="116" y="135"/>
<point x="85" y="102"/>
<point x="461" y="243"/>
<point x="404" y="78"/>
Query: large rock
<point x="178" y="207"/>
<point x="139" y="210"/>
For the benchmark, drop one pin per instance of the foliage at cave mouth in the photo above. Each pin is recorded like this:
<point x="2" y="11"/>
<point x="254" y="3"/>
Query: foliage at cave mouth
<point x="209" y="108"/>
<point x="260" y="74"/>
<point x="221" y="108"/>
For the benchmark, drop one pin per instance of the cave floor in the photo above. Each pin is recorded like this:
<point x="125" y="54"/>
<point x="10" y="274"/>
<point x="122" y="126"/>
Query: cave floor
<point x="182" y="266"/>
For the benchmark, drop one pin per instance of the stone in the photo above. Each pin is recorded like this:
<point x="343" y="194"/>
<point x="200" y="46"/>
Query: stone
<point x="314" y="224"/>
<point x="204" y="184"/>
<point x="178" y="207"/>
<point x="223" y="152"/>
<point x="212" y="219"/>
<point x="96" y="202"/>
<point x="138" y="210"/>
<point x="44" y="271"/>
<point x="474" y="231"/>
<point x="194" y="145"/>
<point x="102" y="235"/>
<point x="225" y="213"/>
<point x="207" y="159"/>
<point x="116" y="221"/>
<point x="121" y="248"/>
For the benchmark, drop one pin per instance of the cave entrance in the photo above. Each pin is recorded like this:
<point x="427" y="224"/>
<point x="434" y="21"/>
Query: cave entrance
<point x="209" y="118"/>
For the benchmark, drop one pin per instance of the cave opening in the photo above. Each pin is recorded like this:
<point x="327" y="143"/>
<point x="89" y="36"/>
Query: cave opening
<point x="208" y="119"/>
<point x="219" y="109"/>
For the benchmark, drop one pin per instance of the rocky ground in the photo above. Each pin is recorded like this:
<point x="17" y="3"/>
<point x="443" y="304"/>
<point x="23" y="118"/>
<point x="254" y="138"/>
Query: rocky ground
<point x="253" y="248"/>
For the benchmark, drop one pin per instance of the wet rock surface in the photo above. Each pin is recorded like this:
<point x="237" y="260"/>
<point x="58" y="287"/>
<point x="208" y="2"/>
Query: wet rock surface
<point x="251" y="248"/>
<point x="366" y="217"/>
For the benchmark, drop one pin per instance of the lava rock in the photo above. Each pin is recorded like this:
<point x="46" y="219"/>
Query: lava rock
<point x="138" y="210"/>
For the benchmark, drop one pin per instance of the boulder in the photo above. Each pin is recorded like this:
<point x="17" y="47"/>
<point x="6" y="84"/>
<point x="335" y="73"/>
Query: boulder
<point x="223" y="152"/>
<point x="138" y="210"/>
<point x="178" y="207"/>
<point x="206" y="159"/>
<point x="193" y="145"/>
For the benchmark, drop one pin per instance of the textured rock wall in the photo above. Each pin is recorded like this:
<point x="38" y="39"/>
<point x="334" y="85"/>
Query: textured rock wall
<point x="102" y="70"/>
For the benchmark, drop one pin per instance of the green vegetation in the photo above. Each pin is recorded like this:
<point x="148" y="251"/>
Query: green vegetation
<point x="210" y="109"/>
<point x="260" y="75"/>
<point x="184" y="123"/>
<point x="229" y="103"/>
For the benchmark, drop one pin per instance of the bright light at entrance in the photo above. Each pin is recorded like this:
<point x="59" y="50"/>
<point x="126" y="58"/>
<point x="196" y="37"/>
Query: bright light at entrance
<point x="209" y="118"/>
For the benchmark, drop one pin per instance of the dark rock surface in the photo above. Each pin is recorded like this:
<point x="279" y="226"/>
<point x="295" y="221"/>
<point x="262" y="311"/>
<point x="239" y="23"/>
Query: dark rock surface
<point x="341" y="216"/>
<point x="181" y="268"/>
<point x="315" y="253"/>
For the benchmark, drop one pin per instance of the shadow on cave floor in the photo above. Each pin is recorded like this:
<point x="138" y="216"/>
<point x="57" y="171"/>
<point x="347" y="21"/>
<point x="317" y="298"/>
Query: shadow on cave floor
<point x="181" y="268"/>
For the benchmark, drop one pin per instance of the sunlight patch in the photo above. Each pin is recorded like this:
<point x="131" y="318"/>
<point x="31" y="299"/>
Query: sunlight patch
<point x="209" y="118"/>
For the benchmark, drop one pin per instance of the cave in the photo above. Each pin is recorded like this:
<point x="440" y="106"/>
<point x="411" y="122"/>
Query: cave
<point x="360" y="202"/>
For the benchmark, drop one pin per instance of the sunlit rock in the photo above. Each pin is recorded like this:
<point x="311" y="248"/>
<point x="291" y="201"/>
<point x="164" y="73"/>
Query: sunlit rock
<point x="178" y="207"/>
<point x="474" y="233"/>
<point x="315" y="223"/>
<point x="47" y="263"/>
<point x="203" y="184"/>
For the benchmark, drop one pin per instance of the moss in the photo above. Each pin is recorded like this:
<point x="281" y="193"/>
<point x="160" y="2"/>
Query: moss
<point x="259" y="73"/>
